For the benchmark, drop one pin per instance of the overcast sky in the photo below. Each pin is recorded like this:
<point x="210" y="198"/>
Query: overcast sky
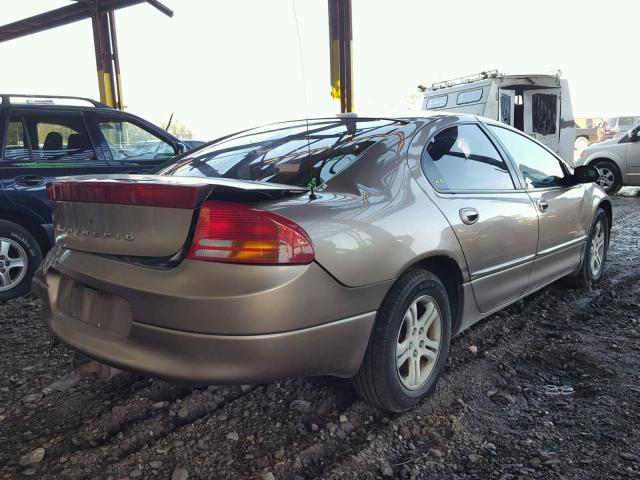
<point x="223" y="66"/>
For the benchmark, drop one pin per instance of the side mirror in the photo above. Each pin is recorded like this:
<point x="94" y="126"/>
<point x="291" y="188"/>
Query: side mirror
<point x="182" y="148"/>
<point x="586" y="174"/>
<point x="633" y="135"/>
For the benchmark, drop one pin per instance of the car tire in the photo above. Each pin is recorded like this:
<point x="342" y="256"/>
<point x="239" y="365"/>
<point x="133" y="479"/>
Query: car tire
<point x="595" y="253"/>
<point x="581" y="143"/>
<point x="20" y="255"/>
<point x="610" y="177"/>
<point x="414" y="324"/>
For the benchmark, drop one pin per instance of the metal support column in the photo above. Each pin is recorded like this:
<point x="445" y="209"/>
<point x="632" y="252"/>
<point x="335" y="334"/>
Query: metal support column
<point x="102" y="40"/>
<point x="340" y="36"/>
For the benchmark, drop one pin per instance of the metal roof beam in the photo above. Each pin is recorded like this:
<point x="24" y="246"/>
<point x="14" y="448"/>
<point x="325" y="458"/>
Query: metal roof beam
<point x="81" y="10"/>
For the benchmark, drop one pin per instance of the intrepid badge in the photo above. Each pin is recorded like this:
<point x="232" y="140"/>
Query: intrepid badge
<point x="80" y="232"/>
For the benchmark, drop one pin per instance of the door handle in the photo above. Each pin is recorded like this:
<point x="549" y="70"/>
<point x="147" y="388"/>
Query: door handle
<point x="542" y="204"/>
<point x="29" y="180"/>
<point x="469" y="216"/>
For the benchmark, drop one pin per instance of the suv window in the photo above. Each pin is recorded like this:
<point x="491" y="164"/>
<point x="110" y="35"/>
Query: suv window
<point x="131" y="143"/>
<point x="293" y="153"/>
<point x="48" y="138"/>
<point x="463" y="158"/>
<point x="538" y="166"/>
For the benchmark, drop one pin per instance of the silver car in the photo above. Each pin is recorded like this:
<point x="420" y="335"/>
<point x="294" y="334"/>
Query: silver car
<point x="354" y="247"/>
<point x="617" y="160"/>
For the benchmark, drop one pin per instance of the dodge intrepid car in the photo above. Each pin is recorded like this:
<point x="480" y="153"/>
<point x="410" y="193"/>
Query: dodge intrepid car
<point x="354" y="247"/>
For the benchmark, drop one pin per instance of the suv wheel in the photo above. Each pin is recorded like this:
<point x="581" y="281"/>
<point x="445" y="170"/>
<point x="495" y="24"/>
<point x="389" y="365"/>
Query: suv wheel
<point x="20" y="255"/>
<point x="610" y="178"/>
<point x="409" y="344"/>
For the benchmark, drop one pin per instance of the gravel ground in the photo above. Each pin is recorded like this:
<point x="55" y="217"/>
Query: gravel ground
<point x="552" y="392"/>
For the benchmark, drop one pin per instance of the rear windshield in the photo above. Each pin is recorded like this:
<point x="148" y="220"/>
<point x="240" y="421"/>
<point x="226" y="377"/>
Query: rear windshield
<point x="287" y="153"/>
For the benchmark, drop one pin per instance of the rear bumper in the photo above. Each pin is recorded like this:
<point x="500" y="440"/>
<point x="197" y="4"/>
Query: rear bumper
<point x="89" y="316"/>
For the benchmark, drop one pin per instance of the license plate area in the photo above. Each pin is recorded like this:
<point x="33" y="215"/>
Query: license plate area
<point x="109" y="313"/>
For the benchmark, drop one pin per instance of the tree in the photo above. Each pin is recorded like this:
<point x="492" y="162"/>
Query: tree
<point x="177" y="129"/>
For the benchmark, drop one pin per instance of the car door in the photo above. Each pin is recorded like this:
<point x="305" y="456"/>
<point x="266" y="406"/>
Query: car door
<point x="561" y="204"/>
<point x="632" y="155"/>
<point x="492" y="217"/>
<point x="134" y="146"/>
<point x="39" y="146"/>
<point x="506" y="106"/>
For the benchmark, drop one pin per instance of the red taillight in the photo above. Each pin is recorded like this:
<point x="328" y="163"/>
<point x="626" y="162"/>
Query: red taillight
<point x="142" y="194"/>
<point x="231" y="232"/>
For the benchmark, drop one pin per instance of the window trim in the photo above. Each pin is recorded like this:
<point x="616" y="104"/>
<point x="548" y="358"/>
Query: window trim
<point x="7" y="122"/>
<point x="563" y="165"/>
<point x="480" y="89"/>
<point x="517" y="184"/>
<point x="445" y="96"/>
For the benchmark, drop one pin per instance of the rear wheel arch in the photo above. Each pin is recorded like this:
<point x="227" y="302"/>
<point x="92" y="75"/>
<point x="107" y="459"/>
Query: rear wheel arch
<point x="450" y="274"/>
<point x="31" y="225"/>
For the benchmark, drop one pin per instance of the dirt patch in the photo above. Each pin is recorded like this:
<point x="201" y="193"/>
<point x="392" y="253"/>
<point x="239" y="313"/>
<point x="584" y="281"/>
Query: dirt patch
<point x="551" y="392"/>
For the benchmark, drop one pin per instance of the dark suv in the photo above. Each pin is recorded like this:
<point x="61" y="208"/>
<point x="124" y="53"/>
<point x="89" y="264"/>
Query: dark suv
<point x="43" y="137"/>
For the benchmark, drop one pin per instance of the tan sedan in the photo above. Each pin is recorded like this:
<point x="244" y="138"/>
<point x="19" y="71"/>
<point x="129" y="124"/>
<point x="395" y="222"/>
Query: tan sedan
<point x="354" y="247"/>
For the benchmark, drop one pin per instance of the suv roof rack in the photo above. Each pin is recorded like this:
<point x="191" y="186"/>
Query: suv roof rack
<point x="467" y="79"/>
<point x="15" y="98"/>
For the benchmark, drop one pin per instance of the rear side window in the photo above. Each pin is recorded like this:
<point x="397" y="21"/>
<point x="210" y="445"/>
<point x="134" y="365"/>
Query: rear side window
<point x="48" y="140"/>
<point x="436" y="102"/>
<point x="469" y="96"/>
<point x="286" y="153"/>
<point x="539" y="168"/>
<point x="463" y="158"/>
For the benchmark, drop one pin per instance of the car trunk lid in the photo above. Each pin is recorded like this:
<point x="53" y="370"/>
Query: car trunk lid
<point x="141" y="215"/>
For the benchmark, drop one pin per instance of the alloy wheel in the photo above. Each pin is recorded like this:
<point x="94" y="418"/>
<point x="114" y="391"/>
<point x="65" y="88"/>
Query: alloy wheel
<point x="13" y="264"/>
<point x="607" y="178"/>
<point x="419" y="341"/>
<point x="596" y="256"/>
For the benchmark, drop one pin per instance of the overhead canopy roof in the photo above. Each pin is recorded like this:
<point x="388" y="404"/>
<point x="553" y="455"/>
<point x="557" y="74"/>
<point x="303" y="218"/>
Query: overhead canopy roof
<point x="81" y="10"/>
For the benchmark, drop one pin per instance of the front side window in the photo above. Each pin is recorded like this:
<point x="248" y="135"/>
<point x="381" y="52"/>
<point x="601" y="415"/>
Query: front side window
<point x="130" y="143"/>
<point x="436" y="102"/>
<point x="539" y="167"/>
<point x="16" y="146"/>
<point x="48" y="140"/>
<point x="294" y="153"/>
<point x="463" y="158"/>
